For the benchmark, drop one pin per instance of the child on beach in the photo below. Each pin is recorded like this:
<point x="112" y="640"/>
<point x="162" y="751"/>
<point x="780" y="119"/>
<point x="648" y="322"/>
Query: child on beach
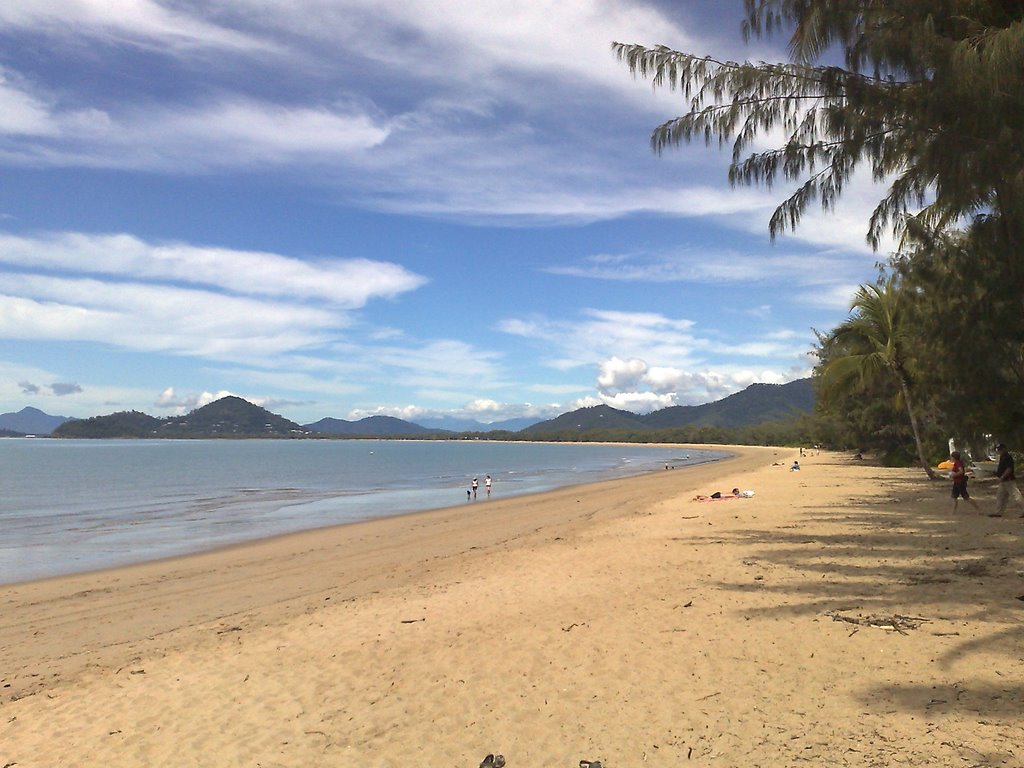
<point x="958" y="474"/>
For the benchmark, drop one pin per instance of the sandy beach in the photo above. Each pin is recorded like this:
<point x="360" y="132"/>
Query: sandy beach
<point x="843" y="615"/>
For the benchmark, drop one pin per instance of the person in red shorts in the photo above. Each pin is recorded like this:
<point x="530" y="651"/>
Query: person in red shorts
<point x="958" y="474"/>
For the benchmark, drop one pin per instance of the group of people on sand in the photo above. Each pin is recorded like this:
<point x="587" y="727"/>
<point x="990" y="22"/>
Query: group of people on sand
<point x="1004" y="473"/>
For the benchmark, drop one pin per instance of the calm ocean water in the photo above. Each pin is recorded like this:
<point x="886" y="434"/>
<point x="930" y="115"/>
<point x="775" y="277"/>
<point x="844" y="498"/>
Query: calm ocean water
<point x="68" y="506"/>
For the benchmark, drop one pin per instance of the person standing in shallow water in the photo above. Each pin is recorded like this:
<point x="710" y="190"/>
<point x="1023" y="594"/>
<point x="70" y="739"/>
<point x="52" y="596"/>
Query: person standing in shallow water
<point x="958" y="474"/>
<point x="1007" y="482"/>
<point x="476" y="485"/>
<point x="487" y="484"/>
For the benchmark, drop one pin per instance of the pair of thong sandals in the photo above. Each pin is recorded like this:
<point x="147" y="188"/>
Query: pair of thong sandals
<point x="498" y="761"/>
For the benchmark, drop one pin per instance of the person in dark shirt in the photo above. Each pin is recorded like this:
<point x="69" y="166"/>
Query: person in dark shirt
<point x="1007" y="486"/>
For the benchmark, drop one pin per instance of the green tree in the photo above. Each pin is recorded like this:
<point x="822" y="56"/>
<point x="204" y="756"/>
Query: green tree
<point x="874" y="341"/>
<point x="967" y="311"/>
<point x="930" y="98"/>
<point x="926" y="95"/>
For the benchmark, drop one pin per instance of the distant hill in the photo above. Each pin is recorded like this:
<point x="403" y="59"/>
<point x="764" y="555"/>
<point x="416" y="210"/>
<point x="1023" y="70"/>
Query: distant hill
<point x="371" y="426"/>
<point x="756" y="404"/>
<point x="122" y="424"/>
<point x="228" y="417"/>
<point x="452" y="424"/>
<point x="232" y="416"/>
<point x="594" y="417"/>
<point x="30" y="421"/>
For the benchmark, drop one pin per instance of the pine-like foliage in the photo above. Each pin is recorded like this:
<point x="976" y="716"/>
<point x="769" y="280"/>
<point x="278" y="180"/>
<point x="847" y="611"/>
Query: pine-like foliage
<point x="930" y="98"/>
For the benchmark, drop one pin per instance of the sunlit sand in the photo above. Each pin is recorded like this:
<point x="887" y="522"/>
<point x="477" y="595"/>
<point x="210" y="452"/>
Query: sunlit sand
<point x="840" y="616"/>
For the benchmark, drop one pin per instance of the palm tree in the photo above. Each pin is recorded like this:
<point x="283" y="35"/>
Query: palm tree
<point x="874" y="340"/>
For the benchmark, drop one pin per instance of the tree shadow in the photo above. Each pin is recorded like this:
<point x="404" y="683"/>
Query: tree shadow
<point x="902" y="553"/>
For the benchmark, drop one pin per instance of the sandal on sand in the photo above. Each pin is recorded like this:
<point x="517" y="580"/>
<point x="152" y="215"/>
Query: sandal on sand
<point x="493" y="761"/>
<point x="590" y="764"/>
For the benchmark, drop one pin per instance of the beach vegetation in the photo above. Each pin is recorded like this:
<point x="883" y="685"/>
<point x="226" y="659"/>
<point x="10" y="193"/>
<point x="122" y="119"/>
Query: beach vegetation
<point x="873" y="342"/>
<point x="926" y="98"/>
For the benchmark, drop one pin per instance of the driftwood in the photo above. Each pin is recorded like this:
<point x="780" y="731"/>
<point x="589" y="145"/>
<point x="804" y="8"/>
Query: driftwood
<point x="896" y="622"/>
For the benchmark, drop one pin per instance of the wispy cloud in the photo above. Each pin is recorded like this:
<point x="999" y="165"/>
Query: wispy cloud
<point x="139" y="22"/>
<point x="515" y="148"/>
<point x="213" y="303"/>
<point x="604" y="333"/>
<point x="341" y="282"/>
<point x="825" y="279"/>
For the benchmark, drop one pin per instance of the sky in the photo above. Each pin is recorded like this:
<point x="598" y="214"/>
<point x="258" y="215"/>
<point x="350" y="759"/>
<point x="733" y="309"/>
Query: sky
<point x="416" y="208"/>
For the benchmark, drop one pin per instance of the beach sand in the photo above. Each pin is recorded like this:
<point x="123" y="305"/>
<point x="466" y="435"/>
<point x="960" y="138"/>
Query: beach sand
<point x="842" y="616"/>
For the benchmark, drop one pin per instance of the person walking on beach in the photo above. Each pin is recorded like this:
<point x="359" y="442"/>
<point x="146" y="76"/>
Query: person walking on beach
<point x="1007" y="485"/>
<point x="476" y="485"/>
<point x="487" y="484"/>
<point x="958" y="474"/>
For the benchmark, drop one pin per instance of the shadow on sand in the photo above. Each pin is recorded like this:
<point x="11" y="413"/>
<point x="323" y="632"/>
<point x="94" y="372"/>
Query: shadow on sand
<point x="904" y="555"/>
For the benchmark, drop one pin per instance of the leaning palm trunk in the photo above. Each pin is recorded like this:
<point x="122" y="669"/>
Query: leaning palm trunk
<point x="914" y="428"/>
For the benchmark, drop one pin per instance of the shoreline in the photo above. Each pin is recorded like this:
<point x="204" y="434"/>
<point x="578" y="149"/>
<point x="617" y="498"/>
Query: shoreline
<point x="618" y="621"/>
<point x="116" y="526"/>
<point x="402" y="544"/>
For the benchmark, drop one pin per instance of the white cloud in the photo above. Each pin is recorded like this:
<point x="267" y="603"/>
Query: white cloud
<point x="141" y="22"/>
<point x="483" y="411"/>
<point x="495" y="105"/>
<point x="821" y="279"/>
<point x="347" y="283"/>
<point x="182" y="404"/>
<point x="380" y="96"/>
<point x="620" y="346"/>
<point x="240" y="133"/>
<point x="615" y="375"/>
<point x="644" y="389"/>
<point x="220" y="304"/>
<point x="20" y="111"/>
<point x="720" y="266"/>
<point x="158" y="318"/>
<point x="461" y="42"/>
<point x="604" y="333"/>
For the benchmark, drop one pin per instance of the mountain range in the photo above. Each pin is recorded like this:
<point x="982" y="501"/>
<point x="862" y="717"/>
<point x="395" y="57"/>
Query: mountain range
<point x="234" y="417"/>
<point x="757" y="404"/>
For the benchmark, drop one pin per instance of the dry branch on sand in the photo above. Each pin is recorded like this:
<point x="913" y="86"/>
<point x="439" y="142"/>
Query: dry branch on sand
<point x="895" y="622"/>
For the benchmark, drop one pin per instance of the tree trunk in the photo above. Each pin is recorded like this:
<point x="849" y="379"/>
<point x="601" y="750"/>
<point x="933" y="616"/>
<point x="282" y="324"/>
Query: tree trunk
<point x="914" y="428"/>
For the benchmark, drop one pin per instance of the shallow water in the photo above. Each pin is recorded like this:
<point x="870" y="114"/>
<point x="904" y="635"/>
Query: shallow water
<point x="68" y="506"/>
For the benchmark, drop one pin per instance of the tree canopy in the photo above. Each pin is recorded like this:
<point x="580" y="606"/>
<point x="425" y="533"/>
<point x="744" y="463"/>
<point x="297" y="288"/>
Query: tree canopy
<point x="928" y="97"/>
<point x="931" y="98"/>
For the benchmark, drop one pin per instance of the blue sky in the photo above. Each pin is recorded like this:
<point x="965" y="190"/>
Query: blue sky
<point x="350" y="207"/>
